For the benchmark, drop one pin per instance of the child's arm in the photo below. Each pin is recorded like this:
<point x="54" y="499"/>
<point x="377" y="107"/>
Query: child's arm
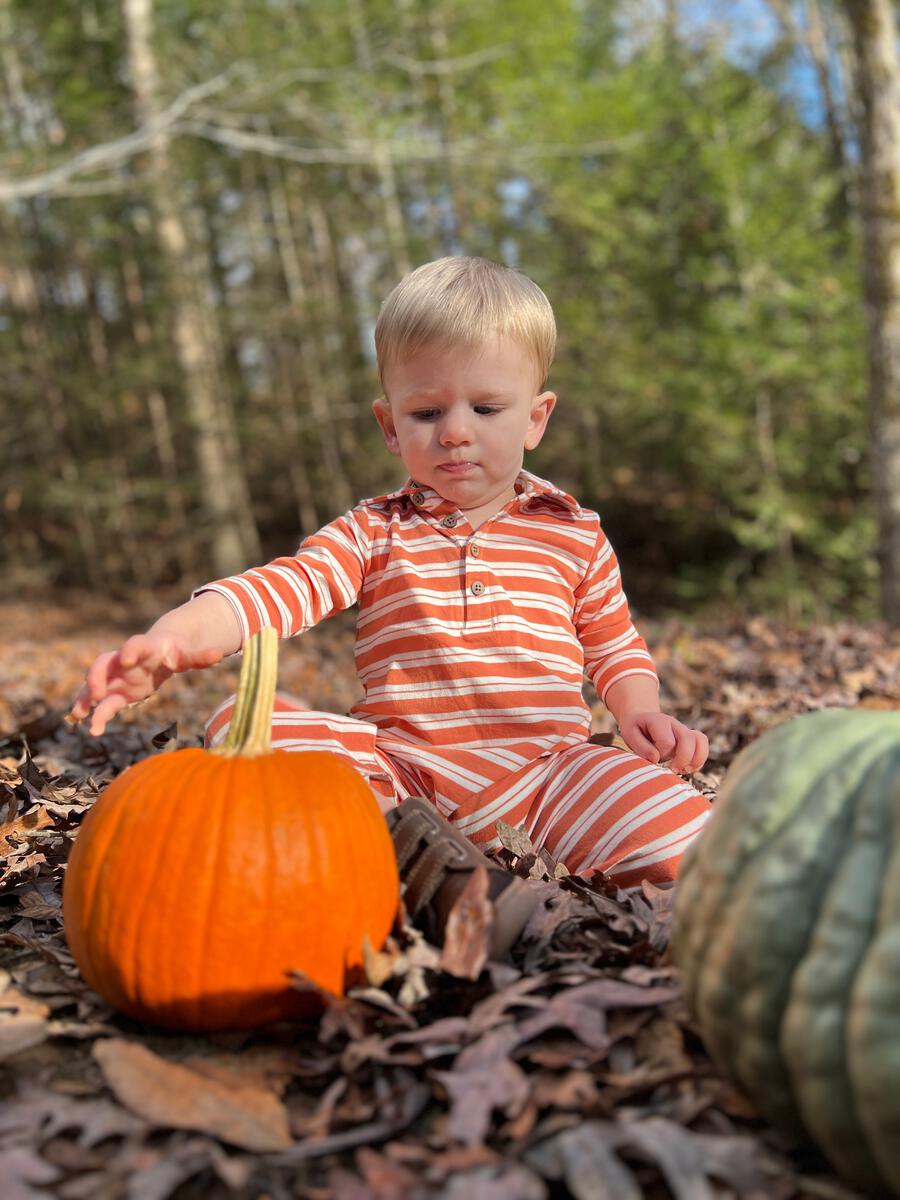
<point x="296" y="592"/>
<point x="197" y="634"/>
<point x="634" y="702"/>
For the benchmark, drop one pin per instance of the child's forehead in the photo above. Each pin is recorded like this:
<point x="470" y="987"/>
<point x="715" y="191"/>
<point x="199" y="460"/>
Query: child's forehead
<point x="497" y="355"/>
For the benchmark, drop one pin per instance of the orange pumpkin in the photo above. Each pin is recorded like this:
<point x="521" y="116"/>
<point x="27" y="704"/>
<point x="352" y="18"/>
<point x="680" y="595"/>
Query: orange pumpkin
<point x="200" y="877"/>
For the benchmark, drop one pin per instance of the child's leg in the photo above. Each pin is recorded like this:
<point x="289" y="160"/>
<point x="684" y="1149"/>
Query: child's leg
<point x="606" y="809"/>
<point x="435" y="861"/>
<point x="297" y="728"/>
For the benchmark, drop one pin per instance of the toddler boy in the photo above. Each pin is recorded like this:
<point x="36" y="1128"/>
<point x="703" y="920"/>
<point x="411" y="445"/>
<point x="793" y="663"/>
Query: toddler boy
<point x="485" y="594"/>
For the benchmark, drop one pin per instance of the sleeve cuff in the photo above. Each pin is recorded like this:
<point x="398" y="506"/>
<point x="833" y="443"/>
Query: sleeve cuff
<point x="624" y="674"/>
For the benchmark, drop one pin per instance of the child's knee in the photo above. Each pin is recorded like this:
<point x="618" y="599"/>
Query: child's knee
<point x="658" y="857"/>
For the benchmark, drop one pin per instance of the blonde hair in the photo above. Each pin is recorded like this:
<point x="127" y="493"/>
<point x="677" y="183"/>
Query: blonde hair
<point x="461" y="301"/>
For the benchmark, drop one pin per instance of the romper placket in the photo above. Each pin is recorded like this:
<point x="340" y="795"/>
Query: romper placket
<point x="473" y="570"/>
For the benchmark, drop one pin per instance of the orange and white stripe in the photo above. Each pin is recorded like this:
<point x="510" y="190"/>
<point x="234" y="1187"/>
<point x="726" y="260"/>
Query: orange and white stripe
<point x="471" y="649"/>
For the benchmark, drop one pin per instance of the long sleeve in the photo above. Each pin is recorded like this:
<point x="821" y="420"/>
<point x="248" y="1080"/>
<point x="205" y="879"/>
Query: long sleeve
<point x="296" y="592"/>
<point x="613" y="648"/>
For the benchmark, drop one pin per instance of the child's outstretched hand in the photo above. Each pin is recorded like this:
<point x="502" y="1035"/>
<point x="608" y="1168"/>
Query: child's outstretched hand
<point x="134" y="672"/>
<point x="660" y="738"/>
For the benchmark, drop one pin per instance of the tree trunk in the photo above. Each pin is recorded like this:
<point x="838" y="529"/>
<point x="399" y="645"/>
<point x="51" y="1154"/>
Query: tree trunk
<point x="389" y="193"/>
<point x="448" y="108"/>
<point x="318" y="394"/>
<point x="341" y="335"/>
<point x="119" y="517"/>
<point x="878" y="76"/>
<point x="56" y="436"/>
<point x="772" y="482"/>
<point x="819" y="36"/>
<point x="181" y="543"/>
<point x="836" y="116"/>
<point x="225" y="495"/>
<point x="420" y="172"/>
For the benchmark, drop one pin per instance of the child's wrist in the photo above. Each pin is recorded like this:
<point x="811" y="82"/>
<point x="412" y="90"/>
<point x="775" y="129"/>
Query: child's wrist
<point x="632" y="696"/>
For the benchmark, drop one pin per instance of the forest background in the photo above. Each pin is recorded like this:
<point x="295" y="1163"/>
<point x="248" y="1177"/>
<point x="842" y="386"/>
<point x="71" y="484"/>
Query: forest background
<point x="205" y="202"/>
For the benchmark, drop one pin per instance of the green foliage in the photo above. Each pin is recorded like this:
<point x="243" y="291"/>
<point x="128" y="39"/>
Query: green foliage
<point x="674" y="207"/>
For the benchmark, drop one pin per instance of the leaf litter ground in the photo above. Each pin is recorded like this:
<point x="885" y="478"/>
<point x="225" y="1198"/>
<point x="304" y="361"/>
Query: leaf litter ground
<point x="570" y="1070"/>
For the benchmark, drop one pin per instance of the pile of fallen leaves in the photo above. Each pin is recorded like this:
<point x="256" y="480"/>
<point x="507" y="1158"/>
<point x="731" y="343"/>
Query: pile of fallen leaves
<point x="569" y="1070"/>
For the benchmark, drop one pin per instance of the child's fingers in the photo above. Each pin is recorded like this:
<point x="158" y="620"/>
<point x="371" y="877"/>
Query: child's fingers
<point x="81" y="706"/>
<point x="105" y="711"/>
<point x="94" y="687"/>
<point x="140" y="650"/>
<point x="643" y="746"/>
<point x="97" y="680"/>
<point x="683" y="749"/>
<point x="120" y="677"/>
<point x="103" y="672"/>
<point x="701" y="754"/>
<point x="665" y="741"/>
<point x="692" y="752"/>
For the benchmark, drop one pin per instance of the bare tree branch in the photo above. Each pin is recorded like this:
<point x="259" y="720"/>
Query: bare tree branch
<point x="58" y="181"/>
<point x="112" y="154"/>
<point x="447" y="66"/>
<point x="783" y="13"/>
<point x="408" y="150"/>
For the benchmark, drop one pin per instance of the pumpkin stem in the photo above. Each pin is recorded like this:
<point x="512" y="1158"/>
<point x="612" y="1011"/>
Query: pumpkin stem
<point x="250" y="732"/>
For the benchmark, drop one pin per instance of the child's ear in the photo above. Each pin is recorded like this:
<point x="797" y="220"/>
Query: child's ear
<point x="541" y="408"/>
<point x="385" y="419"/>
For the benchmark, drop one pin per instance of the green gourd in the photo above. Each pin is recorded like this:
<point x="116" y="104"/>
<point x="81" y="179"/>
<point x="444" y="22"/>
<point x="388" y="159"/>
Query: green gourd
<point x="786" y="931"/>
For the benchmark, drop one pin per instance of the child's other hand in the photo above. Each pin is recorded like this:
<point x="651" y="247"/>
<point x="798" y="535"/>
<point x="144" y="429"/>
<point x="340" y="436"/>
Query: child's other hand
<point x="661" y="739"/>
<point x="134" y="672"/>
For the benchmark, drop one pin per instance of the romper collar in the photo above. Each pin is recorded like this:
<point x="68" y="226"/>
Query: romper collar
<point x="532" y="492"/>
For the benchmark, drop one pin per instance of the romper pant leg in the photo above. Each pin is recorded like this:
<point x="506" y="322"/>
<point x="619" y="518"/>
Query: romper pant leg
<point x="297" y="728"/>
<point x="606" y="809"/>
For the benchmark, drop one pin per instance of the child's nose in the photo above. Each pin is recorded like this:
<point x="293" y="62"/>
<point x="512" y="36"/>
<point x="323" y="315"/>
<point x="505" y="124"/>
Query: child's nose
<point x="455" y="428"/>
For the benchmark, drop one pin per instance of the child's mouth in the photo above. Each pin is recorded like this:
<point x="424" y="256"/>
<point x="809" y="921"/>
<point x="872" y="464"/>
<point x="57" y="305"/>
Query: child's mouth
<point x="460" y="468"/>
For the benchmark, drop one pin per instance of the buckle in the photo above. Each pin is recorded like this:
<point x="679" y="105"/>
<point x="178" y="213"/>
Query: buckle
<point x="457" y="852"/>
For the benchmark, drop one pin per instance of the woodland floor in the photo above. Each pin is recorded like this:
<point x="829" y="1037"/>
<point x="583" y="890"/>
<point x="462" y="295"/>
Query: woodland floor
<point x="571" y="1070"/>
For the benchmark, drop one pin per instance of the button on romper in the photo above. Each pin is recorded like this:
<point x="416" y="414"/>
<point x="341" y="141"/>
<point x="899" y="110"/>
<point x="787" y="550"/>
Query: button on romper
<point x="471" y="647"/>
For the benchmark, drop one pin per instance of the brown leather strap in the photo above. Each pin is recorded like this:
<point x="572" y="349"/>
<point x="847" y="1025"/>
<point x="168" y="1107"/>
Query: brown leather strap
<point x="407" y="835"/>
<point x="423" y="880"/>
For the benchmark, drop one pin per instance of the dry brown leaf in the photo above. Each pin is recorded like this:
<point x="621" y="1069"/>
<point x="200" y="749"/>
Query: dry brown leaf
<point x="20" y="862"/>
<point x="20" y="1033"/>
<point x="378" y="964"/>
<point x="34" y="906"/>
<point x="270" y="1068"/>
<point x="174" y="1096"/>
<point x="516" y="841"/>
<point x="465" y="949"/>
<point x="19" y="827"/>
<point x="505" y="1181"/>
<point x="587" y="1163"/>
<point x="476" y="1092"/>
<point x="19" y="1168"/>
<point x="380" y="1049"/>
<point x="15" y="1002"/>
<point x="385" y="1179"/>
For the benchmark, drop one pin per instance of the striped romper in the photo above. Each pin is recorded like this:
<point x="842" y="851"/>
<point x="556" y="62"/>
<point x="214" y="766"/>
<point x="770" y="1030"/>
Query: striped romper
<point x="471" y="647"/>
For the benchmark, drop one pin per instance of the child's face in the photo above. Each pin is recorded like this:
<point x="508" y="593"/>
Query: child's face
<point x="461" y="419"/>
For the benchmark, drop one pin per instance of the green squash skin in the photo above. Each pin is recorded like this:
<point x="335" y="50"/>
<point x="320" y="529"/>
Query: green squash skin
<point x="873" y="1022"/>
<point x="710" y="869"/>
<point x="813" y="1033"/>
<point x="751" y="886"/>
<point x="746" y="973"/>
<point x="703" y="884"/>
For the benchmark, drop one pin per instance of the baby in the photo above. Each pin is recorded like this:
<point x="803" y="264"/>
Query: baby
<point x="485" y="595"/>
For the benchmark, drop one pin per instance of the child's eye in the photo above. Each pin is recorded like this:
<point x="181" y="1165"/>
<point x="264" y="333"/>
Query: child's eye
<point x="485" y="410"/>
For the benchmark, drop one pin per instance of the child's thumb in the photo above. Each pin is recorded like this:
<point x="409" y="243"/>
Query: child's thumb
<point x="643" y="747"/>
